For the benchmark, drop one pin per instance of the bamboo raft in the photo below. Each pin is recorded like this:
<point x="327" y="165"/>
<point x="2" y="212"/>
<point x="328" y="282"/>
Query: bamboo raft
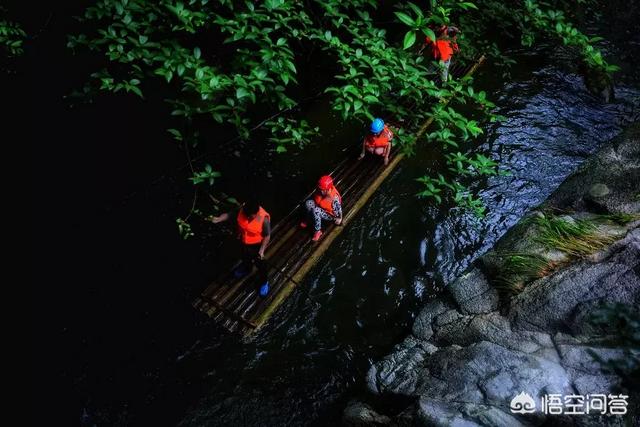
<point x="235" y="303"/>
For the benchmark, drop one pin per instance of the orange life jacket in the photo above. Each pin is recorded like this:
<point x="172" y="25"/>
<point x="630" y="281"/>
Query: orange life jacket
<point x="251" y="231"/>
<point x="442" y="49"/>
<point x="380" y="140"/>
<point x="326" y="202"/>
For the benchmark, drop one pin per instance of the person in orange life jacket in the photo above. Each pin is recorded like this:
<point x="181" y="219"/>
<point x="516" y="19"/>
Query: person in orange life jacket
<point x="378" y="141"/>
<point x="254" y="231"/>
<point x="326" y="205"/>
<point x="444" y="47"/>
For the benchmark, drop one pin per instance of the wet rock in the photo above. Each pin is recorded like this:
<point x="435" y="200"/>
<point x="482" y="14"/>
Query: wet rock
<point x="550" y="303"/>
<point x="359" y="414"/>
<point x="422" y="327"/>
<point x="616" y="167"/>
<point x="599" y="190"/>
<point x="399" y="372"/>
<point x="473" y="294"/>
<point x="438" y="413"/>
<point x="471" y="365"/>
<point x="598" y="82"/>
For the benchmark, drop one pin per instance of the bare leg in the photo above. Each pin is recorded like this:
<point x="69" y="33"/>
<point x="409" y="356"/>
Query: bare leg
<point x="445" y="70"/>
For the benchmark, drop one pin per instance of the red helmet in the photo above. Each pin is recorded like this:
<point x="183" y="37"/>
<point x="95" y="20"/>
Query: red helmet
<point x="325" y="182"/>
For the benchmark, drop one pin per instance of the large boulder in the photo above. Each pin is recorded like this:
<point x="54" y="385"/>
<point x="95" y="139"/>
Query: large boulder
<point x="607" y="182"/>
<point x="472" y="350"/>
<point x="554" y="303"/>
<point x="465" y="369"/>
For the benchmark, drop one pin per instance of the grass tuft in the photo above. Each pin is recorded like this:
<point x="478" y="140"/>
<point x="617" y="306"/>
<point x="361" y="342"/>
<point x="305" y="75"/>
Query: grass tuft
<point x="518" y="269"/>
<point x="577" y="238"/>
<point x="619" y="218"/>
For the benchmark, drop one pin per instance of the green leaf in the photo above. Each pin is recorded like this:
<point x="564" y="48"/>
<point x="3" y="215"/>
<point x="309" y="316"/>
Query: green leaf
<point x="409" y="39"/>
<point x="291" y="66"/>
<point x="241" y="92"/>
<point x="351" y="89"/>
<point x="429" y="33"/>
<point x="136" y="90"/>
<point x="417" y="10"/>
<point x="405" y="19"/>
<point x="281" y="149"/>
<point x="143" y="39"/>
<point x="176" y="133"/>
<point x="196" y="52"/>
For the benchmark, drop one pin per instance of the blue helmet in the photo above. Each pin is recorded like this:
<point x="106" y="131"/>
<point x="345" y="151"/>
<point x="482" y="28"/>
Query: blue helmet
<point x="377" y="125"/>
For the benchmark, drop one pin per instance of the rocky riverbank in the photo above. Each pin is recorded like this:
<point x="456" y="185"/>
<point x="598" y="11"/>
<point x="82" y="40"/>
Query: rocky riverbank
<point x="540" y="313"/>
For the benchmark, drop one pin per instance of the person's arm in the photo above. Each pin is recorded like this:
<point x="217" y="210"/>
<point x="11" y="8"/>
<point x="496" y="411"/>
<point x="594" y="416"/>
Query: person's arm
<point x="389" y="133"/>
<point x="387" y="151"/>
<point x="263" y="246"/>
<point x="266" y="236"/>
<point x="219" y="218"/>
<point x="364" y="147"/>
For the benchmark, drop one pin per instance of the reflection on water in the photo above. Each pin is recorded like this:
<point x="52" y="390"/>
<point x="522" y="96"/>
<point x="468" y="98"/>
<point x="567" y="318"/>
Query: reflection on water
<point x="552" y="126"/>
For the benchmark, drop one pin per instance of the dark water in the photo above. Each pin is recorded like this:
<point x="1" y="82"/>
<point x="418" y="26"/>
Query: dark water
<point x="116" y="339"/>
<point x="360" y="300"/>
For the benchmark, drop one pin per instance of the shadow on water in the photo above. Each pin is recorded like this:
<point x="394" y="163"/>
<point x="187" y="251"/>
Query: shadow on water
<point x="117" y="341"/>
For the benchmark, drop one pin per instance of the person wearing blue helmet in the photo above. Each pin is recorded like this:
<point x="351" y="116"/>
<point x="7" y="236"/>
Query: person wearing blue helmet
<point x="378" y="141"/>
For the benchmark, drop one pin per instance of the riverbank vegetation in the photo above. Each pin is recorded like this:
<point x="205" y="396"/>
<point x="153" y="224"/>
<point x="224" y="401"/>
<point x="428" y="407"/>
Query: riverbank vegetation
<point x="244" y="65"/>
<point x="12" y="36"/>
